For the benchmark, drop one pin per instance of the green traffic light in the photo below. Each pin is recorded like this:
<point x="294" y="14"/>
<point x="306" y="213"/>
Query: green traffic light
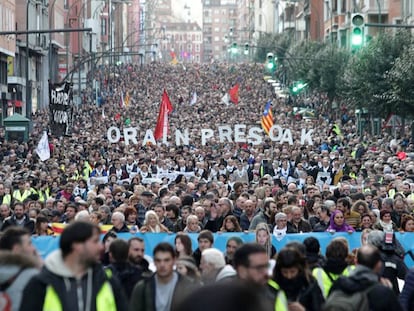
<point x="270" y="65"/>
<point x="295" y="89"/>
<point x="356" y="39"/>
<point x="234" y="48"/>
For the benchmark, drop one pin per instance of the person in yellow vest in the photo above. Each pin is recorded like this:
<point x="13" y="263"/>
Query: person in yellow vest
<point x="336" y="265"/>
<point x="252" y="266"/>
<point x="295" y="279"/>
<point x="5" y="198"/>
<point x="22" y="193"/>
<point x="72" y="278"/>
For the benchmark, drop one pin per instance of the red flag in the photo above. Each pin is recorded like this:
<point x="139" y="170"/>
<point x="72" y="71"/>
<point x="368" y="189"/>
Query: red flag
<point x="161" y="129"/>
<point x="234" y="94"/>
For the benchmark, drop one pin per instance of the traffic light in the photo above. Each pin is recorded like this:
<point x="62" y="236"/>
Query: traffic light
<point x="297" y="87"/>
<point x="233" y="48"/>
<point x="270" y="61"/>
<point x="246" y="49"/>
<point x="357" y="31"/>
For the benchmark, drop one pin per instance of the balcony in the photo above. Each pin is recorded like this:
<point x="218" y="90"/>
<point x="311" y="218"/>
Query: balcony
<point x="371" y="7"/>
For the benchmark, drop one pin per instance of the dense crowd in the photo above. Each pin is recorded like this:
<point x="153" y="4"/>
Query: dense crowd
<point x="344" y="182"/>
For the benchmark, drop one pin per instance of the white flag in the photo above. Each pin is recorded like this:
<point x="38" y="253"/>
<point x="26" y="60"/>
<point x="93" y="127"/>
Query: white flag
<point x="226" y="99"/>
<point x="193" y="99"/>
<point x="42" y="149"/>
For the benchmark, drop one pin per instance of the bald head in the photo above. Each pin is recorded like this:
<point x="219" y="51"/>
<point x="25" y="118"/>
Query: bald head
<point x="370" y="257"/>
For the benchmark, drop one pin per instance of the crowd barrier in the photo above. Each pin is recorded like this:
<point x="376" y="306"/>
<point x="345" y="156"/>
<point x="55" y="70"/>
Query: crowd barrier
<point x="46" y="244"/>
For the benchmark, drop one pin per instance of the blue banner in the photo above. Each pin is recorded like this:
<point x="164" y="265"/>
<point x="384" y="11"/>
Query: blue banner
<point x="46" y="244"/>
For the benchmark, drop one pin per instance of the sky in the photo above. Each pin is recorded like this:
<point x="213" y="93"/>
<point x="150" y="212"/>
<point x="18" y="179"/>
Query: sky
<point x="195" y="10"/>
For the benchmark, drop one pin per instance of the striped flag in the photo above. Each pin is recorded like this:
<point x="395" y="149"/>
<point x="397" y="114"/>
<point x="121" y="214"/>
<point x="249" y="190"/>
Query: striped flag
<point x="126" y="101"/>
<point x="267" y="118"/>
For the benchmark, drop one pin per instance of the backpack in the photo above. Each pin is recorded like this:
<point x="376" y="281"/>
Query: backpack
<point x="5" y="300"/>
<point x="338" y="300"/>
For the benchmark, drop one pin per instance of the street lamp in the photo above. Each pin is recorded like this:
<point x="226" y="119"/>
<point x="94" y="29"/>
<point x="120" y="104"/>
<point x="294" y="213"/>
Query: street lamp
<point x="28" y="94"/>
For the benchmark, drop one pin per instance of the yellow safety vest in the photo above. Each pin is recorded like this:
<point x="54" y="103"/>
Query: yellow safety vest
<point x="44" y="195"/>
<point x="325" y="282"/>
<point x="21" y="197"/>
<point x="281" y="303"/>
<point x="105" y="299"/>
<point x="6" y="199"/>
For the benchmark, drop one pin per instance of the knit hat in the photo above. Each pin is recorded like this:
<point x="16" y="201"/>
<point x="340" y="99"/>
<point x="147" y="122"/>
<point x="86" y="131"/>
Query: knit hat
<point x="188" y="262"/>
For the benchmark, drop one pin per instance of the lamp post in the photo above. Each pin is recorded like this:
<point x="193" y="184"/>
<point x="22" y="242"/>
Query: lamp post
<point x="51" y="13"/>
<point x="28" y="84"/>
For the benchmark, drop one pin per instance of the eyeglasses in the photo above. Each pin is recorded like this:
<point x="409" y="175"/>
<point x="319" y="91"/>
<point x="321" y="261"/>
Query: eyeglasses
<point x="260" y="267"/>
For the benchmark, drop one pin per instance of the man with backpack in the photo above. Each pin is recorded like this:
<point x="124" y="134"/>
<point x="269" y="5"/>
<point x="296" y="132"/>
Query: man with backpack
<point x="19" y="262"/>
<point x="362" y="290"/>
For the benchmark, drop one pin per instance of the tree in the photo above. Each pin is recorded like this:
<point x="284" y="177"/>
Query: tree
<point x="401" y="76"/>
<point x="300" y="59"/>
<point x="366" y="82"/>
<point x="326" y="74"/>
<point x="272" y="43"/>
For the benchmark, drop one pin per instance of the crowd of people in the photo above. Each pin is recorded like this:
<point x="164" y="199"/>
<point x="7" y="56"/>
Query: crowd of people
<point x="344" y="182"/>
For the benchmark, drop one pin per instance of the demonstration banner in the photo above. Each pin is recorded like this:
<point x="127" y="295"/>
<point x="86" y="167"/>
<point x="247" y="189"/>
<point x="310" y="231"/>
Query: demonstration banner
<point x="61" y="108"/>
<point x="46" y="244"/>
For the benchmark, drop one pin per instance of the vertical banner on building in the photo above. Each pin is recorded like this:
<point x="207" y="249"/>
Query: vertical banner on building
<point x="61" y="108"/>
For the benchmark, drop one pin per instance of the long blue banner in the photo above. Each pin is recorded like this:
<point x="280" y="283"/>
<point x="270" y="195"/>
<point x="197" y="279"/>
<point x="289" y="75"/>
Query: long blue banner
<point x="46" y="244"/>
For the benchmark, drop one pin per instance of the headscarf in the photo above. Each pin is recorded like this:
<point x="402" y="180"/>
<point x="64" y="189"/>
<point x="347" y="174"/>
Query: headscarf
<point x="332" y="226"/>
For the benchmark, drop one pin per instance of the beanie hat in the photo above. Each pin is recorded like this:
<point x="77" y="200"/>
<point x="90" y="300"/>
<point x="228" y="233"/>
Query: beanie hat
<point x="188" y="262"/>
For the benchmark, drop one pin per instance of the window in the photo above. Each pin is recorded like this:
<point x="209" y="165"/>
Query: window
<point x="103" y="27"/>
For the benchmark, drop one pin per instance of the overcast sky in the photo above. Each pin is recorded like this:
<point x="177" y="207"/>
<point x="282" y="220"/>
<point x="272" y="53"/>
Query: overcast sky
<point x="195" y="10"/>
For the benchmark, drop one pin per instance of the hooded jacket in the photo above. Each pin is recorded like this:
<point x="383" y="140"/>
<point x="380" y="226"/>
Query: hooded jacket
<point x="19" y="268"/>
<point x="380" y="297"/>
<point x="225" y="273"/>
<point x="56" y="288"/>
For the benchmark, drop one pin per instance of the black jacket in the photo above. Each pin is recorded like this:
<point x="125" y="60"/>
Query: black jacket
<point x="307" y="293"/>
<point x="380" y="298"/>
<point x="68" y="288"/>
<point x="11" y="221"/>
<point x="127" y="274"/>
<point x="143" y="295"/>
<point x="393" y="268"/>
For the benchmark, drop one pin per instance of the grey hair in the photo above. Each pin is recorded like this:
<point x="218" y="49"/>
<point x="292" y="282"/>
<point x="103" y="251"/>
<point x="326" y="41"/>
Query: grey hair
<point x="279" y="216"/>
<point x="375" y="238"/>
<point x="214" y="257"/>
